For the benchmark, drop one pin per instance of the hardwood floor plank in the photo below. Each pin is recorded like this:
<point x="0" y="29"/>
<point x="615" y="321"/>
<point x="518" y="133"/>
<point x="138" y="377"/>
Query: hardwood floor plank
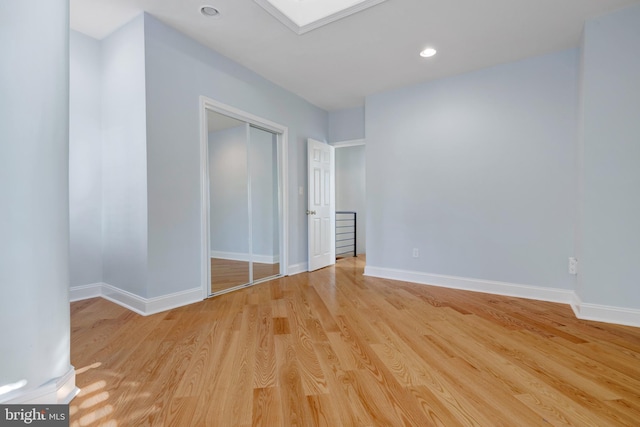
<point x="373" y="371"/>
<point x="266" y="408"/>
<point x="279" y="308"/>
<point x="345" y="400"/>
<point x="340" y="347"/>
<point x="180" y="412"/>
<point x="628" y="412"/>
<point x="322" y="411"/>
<point x="433" y="408"/>
<point x="264" y="373"/>
<point x="311" y="374"/>
<point x="295" y="407"/>
<point x="240" y="391"/>
<point x="321" y="311"/>
<point x="561" y="411"/>
<point x="500" y="406"/>
<point x="217" y="344"/>
<point x="379" y="402"/>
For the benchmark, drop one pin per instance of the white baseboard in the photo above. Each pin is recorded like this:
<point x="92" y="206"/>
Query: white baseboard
<point x="237" y="256"/>
<point x="59" y="390"/>
<point x="585" y="311"/>
<point x="302" y="267"/>
<point x="476" y="285"/>
<point x="174" y="300"/>
<point x="575" y="304"/>
<point x="606" y="313"/>
<point x="124" y="298"/>
<point x="133" y="302"/>
<point x="77" y="293"/>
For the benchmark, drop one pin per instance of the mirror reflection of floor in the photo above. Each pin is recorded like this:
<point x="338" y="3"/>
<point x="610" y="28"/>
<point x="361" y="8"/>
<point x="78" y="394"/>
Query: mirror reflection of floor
<point x="226" y="273"/>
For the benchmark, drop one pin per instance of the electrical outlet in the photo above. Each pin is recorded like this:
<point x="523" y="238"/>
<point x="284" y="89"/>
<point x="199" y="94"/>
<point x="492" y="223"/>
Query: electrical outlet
<point x="573" y="266"/>
<point x="416" y="253"/>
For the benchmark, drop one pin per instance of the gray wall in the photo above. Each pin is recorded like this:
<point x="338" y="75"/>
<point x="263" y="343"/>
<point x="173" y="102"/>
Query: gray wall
<point x="477" y="172"/>
<point x="178" y="71"/>
<point x="124" y="159"/>
<point x="346" y="124"/>
<point x="34" y="189"/>
<point x="610" y="151"/>
<point x="350" y="187"/>
<point x="85" y="160"/>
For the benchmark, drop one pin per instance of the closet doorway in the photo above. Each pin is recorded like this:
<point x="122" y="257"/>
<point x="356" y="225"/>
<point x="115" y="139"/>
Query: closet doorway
<point x="244" y="198"/>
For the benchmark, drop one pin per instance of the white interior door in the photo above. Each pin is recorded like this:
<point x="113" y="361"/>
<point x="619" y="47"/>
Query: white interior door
<point x="321" y="210"/>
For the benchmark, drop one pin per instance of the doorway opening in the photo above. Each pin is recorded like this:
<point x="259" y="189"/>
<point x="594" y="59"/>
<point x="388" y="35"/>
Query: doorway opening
<point x="244" y="213"/>
<point x="350" y="198"/>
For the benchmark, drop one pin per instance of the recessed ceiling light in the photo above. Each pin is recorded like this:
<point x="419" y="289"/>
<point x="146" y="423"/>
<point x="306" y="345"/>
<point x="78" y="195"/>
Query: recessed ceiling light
<point x="428" y="52"/>
<point x="209" y="11"/>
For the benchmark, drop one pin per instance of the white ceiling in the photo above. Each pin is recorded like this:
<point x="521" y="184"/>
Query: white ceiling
<point x="337" y="65"/>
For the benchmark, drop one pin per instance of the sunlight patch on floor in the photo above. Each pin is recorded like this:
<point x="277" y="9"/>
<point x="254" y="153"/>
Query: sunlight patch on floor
<point x="92" y="396"/>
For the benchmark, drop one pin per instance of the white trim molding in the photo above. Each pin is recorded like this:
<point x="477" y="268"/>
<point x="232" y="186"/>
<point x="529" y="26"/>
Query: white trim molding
<point x="606" y="313"/>
<point x="475" y="285"/>
<point x="133" y="302"/>
<point x="77" y="293"/>
<point x="60" y="390"/>
<point x="350" y="143"/>
<point x="124" y="298"/>
<point x="301" y="267"/>
<point x="584" y="311"/>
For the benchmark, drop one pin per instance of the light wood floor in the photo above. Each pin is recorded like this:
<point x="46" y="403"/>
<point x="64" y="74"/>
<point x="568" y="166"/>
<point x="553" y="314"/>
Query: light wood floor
<point x="334" y="348"/>
<point x="226" y="273"/>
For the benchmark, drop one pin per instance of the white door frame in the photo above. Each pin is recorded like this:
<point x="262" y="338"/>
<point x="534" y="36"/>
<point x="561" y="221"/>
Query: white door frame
<point x="282" y="132"/>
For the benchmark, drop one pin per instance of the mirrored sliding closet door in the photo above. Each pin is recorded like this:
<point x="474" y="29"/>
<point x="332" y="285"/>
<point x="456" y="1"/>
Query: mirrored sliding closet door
<point x="244" y="204"/>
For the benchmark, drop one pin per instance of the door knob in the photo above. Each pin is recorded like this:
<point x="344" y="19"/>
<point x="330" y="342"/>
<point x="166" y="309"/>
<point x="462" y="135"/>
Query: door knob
<point x="311" y="212"/>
